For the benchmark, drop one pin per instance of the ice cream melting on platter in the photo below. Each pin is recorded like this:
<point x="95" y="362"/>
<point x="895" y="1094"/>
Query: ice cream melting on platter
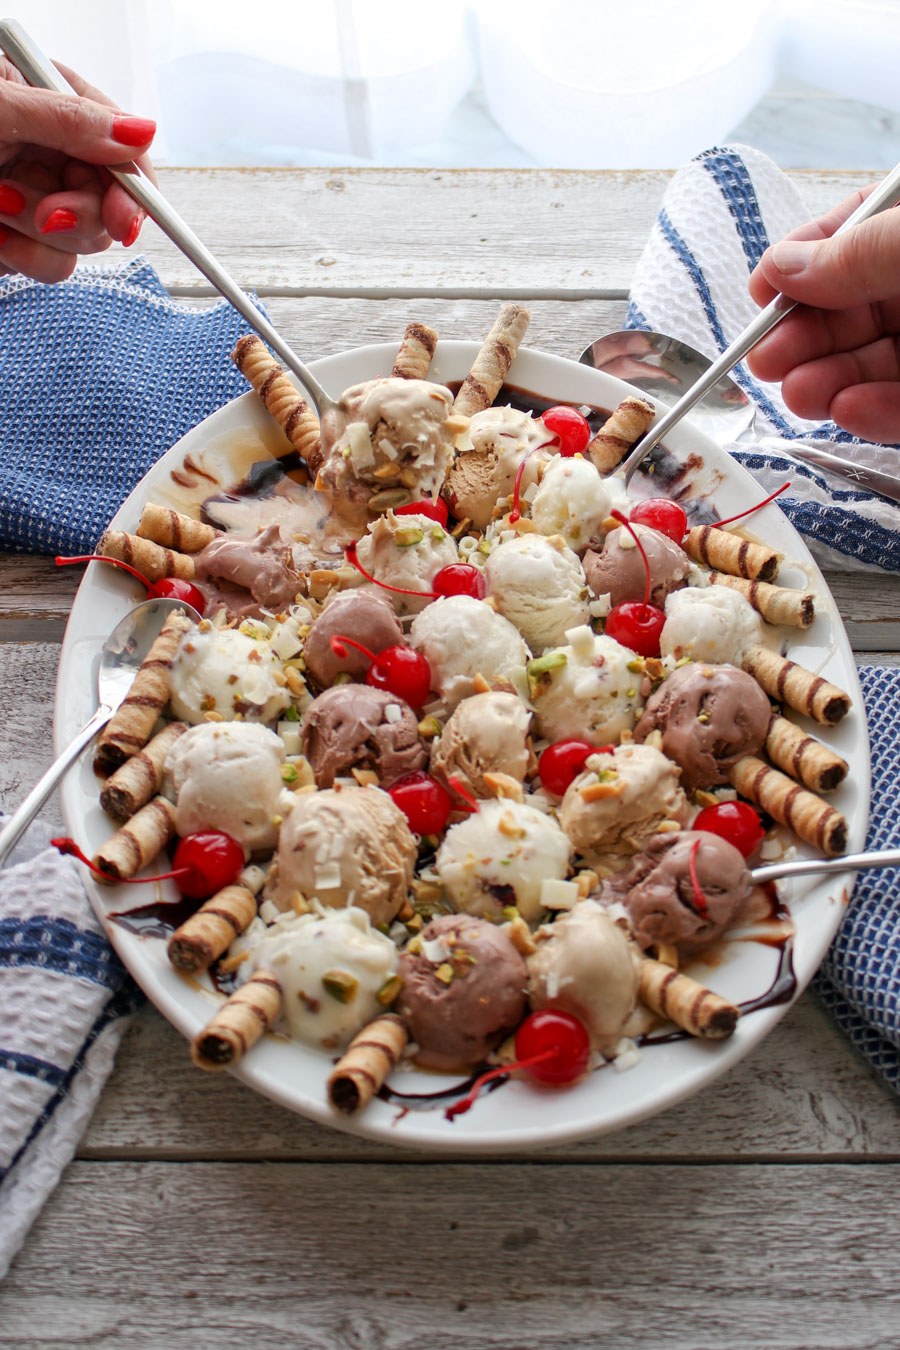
<point x="493" y="745"/>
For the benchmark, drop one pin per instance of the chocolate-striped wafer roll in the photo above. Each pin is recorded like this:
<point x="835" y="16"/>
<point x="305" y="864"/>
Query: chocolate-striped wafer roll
<point x="491" y="366"/>
<point x="279" y="396"/>
<point x="139" y="778"/>
<point x="802" y="811"/>
<point x="625" y="425"/>
<point x="776" y="604"/>
<point x="130" y="726"/>
<point x="688" y="1004"/>
<point x="138" y="842"/>
<point x="207" y="934"/>
<point x="416" y="351"/>
<point x="239" y="1023"/>
<point x="796" y="686"/>
<point x="151" y="560"/>
<point x="366" y="1063"/>
<point x="173" y="530"/>
<point x="803" y="757"/>
<point x="730" y="553"/>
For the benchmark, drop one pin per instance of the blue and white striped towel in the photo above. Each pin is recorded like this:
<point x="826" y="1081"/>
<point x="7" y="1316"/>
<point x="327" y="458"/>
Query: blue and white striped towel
<point x="718" y="215"/>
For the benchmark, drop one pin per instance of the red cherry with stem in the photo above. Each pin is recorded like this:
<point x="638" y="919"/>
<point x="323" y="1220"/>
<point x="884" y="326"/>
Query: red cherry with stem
<point x="562" y="762"/>
<point x="434" y="510"/>
<point x="203" y="863"/>
<point x="424" y="802"/>
<point x="700" y="899"/>
<point x="174" y="588"/>
<point x="729" y="520"/>
<point x="636" y="624"/>
<point x="660" y="514"/>
<point x="454" y="579"/>
<point x="552" y="1046"/>
<point x="736" y="822"/>
<point x="569" y="426"/>
<point x="399" y="670"/>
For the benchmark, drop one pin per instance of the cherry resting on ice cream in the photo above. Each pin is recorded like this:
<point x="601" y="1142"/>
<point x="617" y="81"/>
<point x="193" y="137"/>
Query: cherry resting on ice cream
<point x="423" y="801"/>
<point x="562" y="762"/>
<point x="202" y="864"/>
<point x="636" y="623"/>
<point x="171" y="588"/>
<point x="552" y="1046"/>
<point x="434" y="510"/>
<point x="736" y="822"/>
<point x="454" y="579"/>
<point x="569" y="426"/>
<point x="662" y="515"/>
<point x="398" y="670"/>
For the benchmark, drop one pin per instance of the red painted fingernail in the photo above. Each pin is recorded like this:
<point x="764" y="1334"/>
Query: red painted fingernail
<point x="134" y="230"/>
<point x="12" y="203"/>
<point x="4" y="235"/>
<point x="58" y="221"/>
<point x="133" y="130"/>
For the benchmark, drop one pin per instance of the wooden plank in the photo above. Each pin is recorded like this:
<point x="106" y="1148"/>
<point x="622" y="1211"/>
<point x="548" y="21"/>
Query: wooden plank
<point x="804" y="1095"/>
<point x="395" y="1257"/>
<point x="380" y="232"/>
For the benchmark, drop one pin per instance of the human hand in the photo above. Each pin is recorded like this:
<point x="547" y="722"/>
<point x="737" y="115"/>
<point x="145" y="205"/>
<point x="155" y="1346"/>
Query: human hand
<point x="838" y="354"/>
<point x="56" y="198"/>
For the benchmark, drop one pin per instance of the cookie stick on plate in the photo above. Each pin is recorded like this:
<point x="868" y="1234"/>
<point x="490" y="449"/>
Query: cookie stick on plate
<point x="138" y="842"/>
<point x="239" y="1023"/>
<point x="151" y="560"/>
<point x="683" y="1001"/>
<point x="491" y="366"/>
<point x="802" y="811"/>
<point x="171" y="529"/>
<point x="796" y="686"/>
<point x="203" y="937"/>
<point x="803" y="757"/>
<point x="625" y="425"/>
<point x="279" y="396"/>
<point x="139" y="778"/>
<point x="777" y="604"/>
<point x="725" y="552"/>
<point x="416" y="352"/>
<point x="366" y="1063"/>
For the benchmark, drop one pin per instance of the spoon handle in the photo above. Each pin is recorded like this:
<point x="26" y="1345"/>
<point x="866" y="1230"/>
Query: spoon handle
<point x="31" y="63"/>
<point x="885" y="195"/>
<point x="850" y="862"/>
<point x="25" y="813"/>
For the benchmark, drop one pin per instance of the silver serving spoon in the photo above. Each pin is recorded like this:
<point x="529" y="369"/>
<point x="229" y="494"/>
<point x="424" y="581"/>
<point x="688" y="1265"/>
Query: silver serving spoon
<point x="32" y="64"/>
<point x="121" y="657"/>
<point x="850" y="862"/>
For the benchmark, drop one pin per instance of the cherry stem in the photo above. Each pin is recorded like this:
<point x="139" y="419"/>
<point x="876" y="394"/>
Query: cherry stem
<point x="101" y="557"/>
<point x="750" y="509"/>
<point x="68" y="846"/>
<point x="503" y="1070"/>
<point x="617" y="515"/>
<point x="700" y="898"/>
<point x="339" y="645"/>
<point x="351" y="556"/>
<point x="464" y="792"/>
<point x="515" y="514"/>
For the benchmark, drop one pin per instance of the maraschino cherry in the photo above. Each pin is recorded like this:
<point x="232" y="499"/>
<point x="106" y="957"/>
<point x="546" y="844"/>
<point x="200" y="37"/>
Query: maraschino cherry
<point x="737" y="822"/>
<point x="399" y="670"/>
<point x="174" y="588"/>
<point x="636" y="624"/>
<point x="660" y="514"/>
<point x="515" y="514"/>
<point x="552" y="1046"/>
<point x="202" y="863"/>
<point x="454" y="579"/>
<point x="424" y="802"/>
<point x="562" y="762"/>
<point x="700" y="901"/>
<point x="435" y="509"/>
<point x="569" y="426"/>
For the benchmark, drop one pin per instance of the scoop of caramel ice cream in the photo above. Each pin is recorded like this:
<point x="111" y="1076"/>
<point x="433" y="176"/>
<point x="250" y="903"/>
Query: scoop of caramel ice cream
<point x="487" y="733"/>
<point x="354" y="726"/>
<point x="484" y="472"/>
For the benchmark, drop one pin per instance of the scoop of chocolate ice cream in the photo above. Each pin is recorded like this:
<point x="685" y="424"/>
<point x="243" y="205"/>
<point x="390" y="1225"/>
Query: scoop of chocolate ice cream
<point x="709" y="716"/>
<point x="463" y="991"/>
<point x="660" y="897"/>
<point x="249" y="575"/>
<point x="356" y="614"/>
<point x="353" y="726"/>
<point x="618" y="569"/>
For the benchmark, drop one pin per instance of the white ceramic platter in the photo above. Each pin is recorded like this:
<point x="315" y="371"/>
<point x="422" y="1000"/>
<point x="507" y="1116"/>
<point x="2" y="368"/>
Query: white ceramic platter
<point x="520" y="1115"/>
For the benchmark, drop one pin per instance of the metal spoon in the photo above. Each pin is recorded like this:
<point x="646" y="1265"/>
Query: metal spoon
<point x="120" y="660"/>
<point x="850" y="862"/>
<point x="32" y="64"/>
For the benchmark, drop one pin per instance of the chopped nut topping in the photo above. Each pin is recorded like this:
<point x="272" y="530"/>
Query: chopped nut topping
<point x="507" y="826"/>
<point x="444" y="972"/>
<point x="504" y="785"/>
<point x="340" y="985"/>
<point x="520" y="937"/>
<point x="389" y="991"/>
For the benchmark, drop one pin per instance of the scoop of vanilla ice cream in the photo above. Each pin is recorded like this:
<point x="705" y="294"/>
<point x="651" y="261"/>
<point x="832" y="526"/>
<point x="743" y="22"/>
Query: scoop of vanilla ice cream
<point x="490" y="452"/>
<point x="463" y="637"/>
<point x="406" y="551"/>
<point x="225" y="671"/>
<point x="330" y="968"/>
<point x="572" y="500"/>
<point x="501" y="855"/>
<point x="487" y="733"/>
<point x="585" y="691"/>
<point x="539" y="585"/>
<point x="227" y="776"/>
<point x="709" y="623"/>
<point x="585" y="965"/>
<point x="617" y="805"/>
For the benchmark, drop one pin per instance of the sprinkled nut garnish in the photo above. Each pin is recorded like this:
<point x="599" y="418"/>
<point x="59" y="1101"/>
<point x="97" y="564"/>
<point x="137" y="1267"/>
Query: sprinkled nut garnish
<point x="387" y="499"/>
<point x="667" y="827"/>
<point x="409" y="535"/>
<point x="480" y="684"/>
<point x="298" y="903"/>
<point x="508" y="826"/>
<point x="429" y="727"/>
<point x="444" y="972"/>
<point x="607" y="775"/>
<point x="630" y="693"/>
<point x="207" y="703"/>
<point x="365" y="777"/>
<point x="520" y="937"/>
<point x="587" y="882"/>
<point x="456" y="423"/>
<point x="277" y="675"/>
<point x="414" y="945"/>
<point x="416" y="923"/>
<point x="704" y="798"/>
<point x="254" y="655"/>
<point x="385" y="473"/>
<point x="437" y="533"/>
<point x="289" y="773"/>
<point x="340" y="985"/>
<point x="408" y="477"/>
<point x="233" y="679"/>
<point x="504" y="785"/>
<point x="597" y="792"/>
<point x="484" y="546"/>
<point x="231" y="963"/>
<point x="389" y="991"/>
<point x="703" y="717"/>
<point x="405" y="912"/>
<point x="461" y="527"/>
<point x="213" y="717"/>
<point x="295" y="681"/>
<point x="667" y="954"/>
<point x="510" y="912"/>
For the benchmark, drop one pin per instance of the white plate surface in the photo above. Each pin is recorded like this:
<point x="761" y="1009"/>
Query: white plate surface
<point x="519" y="1115"/>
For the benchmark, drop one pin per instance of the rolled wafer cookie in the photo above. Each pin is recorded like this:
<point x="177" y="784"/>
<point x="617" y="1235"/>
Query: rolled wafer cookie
<point x="625" y="425"/>
<point x="139" y="778"/>
<point x="730" y="553"/>
<point x="688" y="1004"/>
<point x="130" y="726"/>
<point x="138" y="842"/>
<point x="279" y="397"/>
<point x="151" y="560"/>
<point x="491" y="366"/>
<point x="803" y="757"/>
<point x="416" y="351"/>
<point x="796" y="686"/>
<point x="802" y="811"/>
<point x="776" y="604"/>
<point x="207" y="934"/>
<point x="366" y="1063"/>
<point x="171" y="529"/>
<point x="239" y="1023"/>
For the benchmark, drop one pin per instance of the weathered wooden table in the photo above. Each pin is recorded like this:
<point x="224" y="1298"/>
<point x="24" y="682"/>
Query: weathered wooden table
<point x="763" y="1213"/>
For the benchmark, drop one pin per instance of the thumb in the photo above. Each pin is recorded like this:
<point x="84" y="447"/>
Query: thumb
<point x="858" y="267"/>
<point x="79" y="127"/>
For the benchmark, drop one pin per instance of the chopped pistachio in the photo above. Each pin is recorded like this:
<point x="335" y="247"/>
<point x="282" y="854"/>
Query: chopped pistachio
<point x="387" y="499"/>
<point x="416" y="923"/>
<point x="636" y="667"/>
<point x="389" y="991"/>
<point x="484" y="546"/>
<point x="409" y="535"/>
<point x="343" y="677"/>
<point x="703" y="717"/>
<point x="542" y="665"/>
<point x="607" y="775"/>
<point x="340" y="985"/>
<point x="437" y="533"/>
<point x="510" y="912"/>
<point x="429" y="727"/>
<point x="630" y="693"/>
<point x="414" y="946"/>
<point x="289" y="773"/>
